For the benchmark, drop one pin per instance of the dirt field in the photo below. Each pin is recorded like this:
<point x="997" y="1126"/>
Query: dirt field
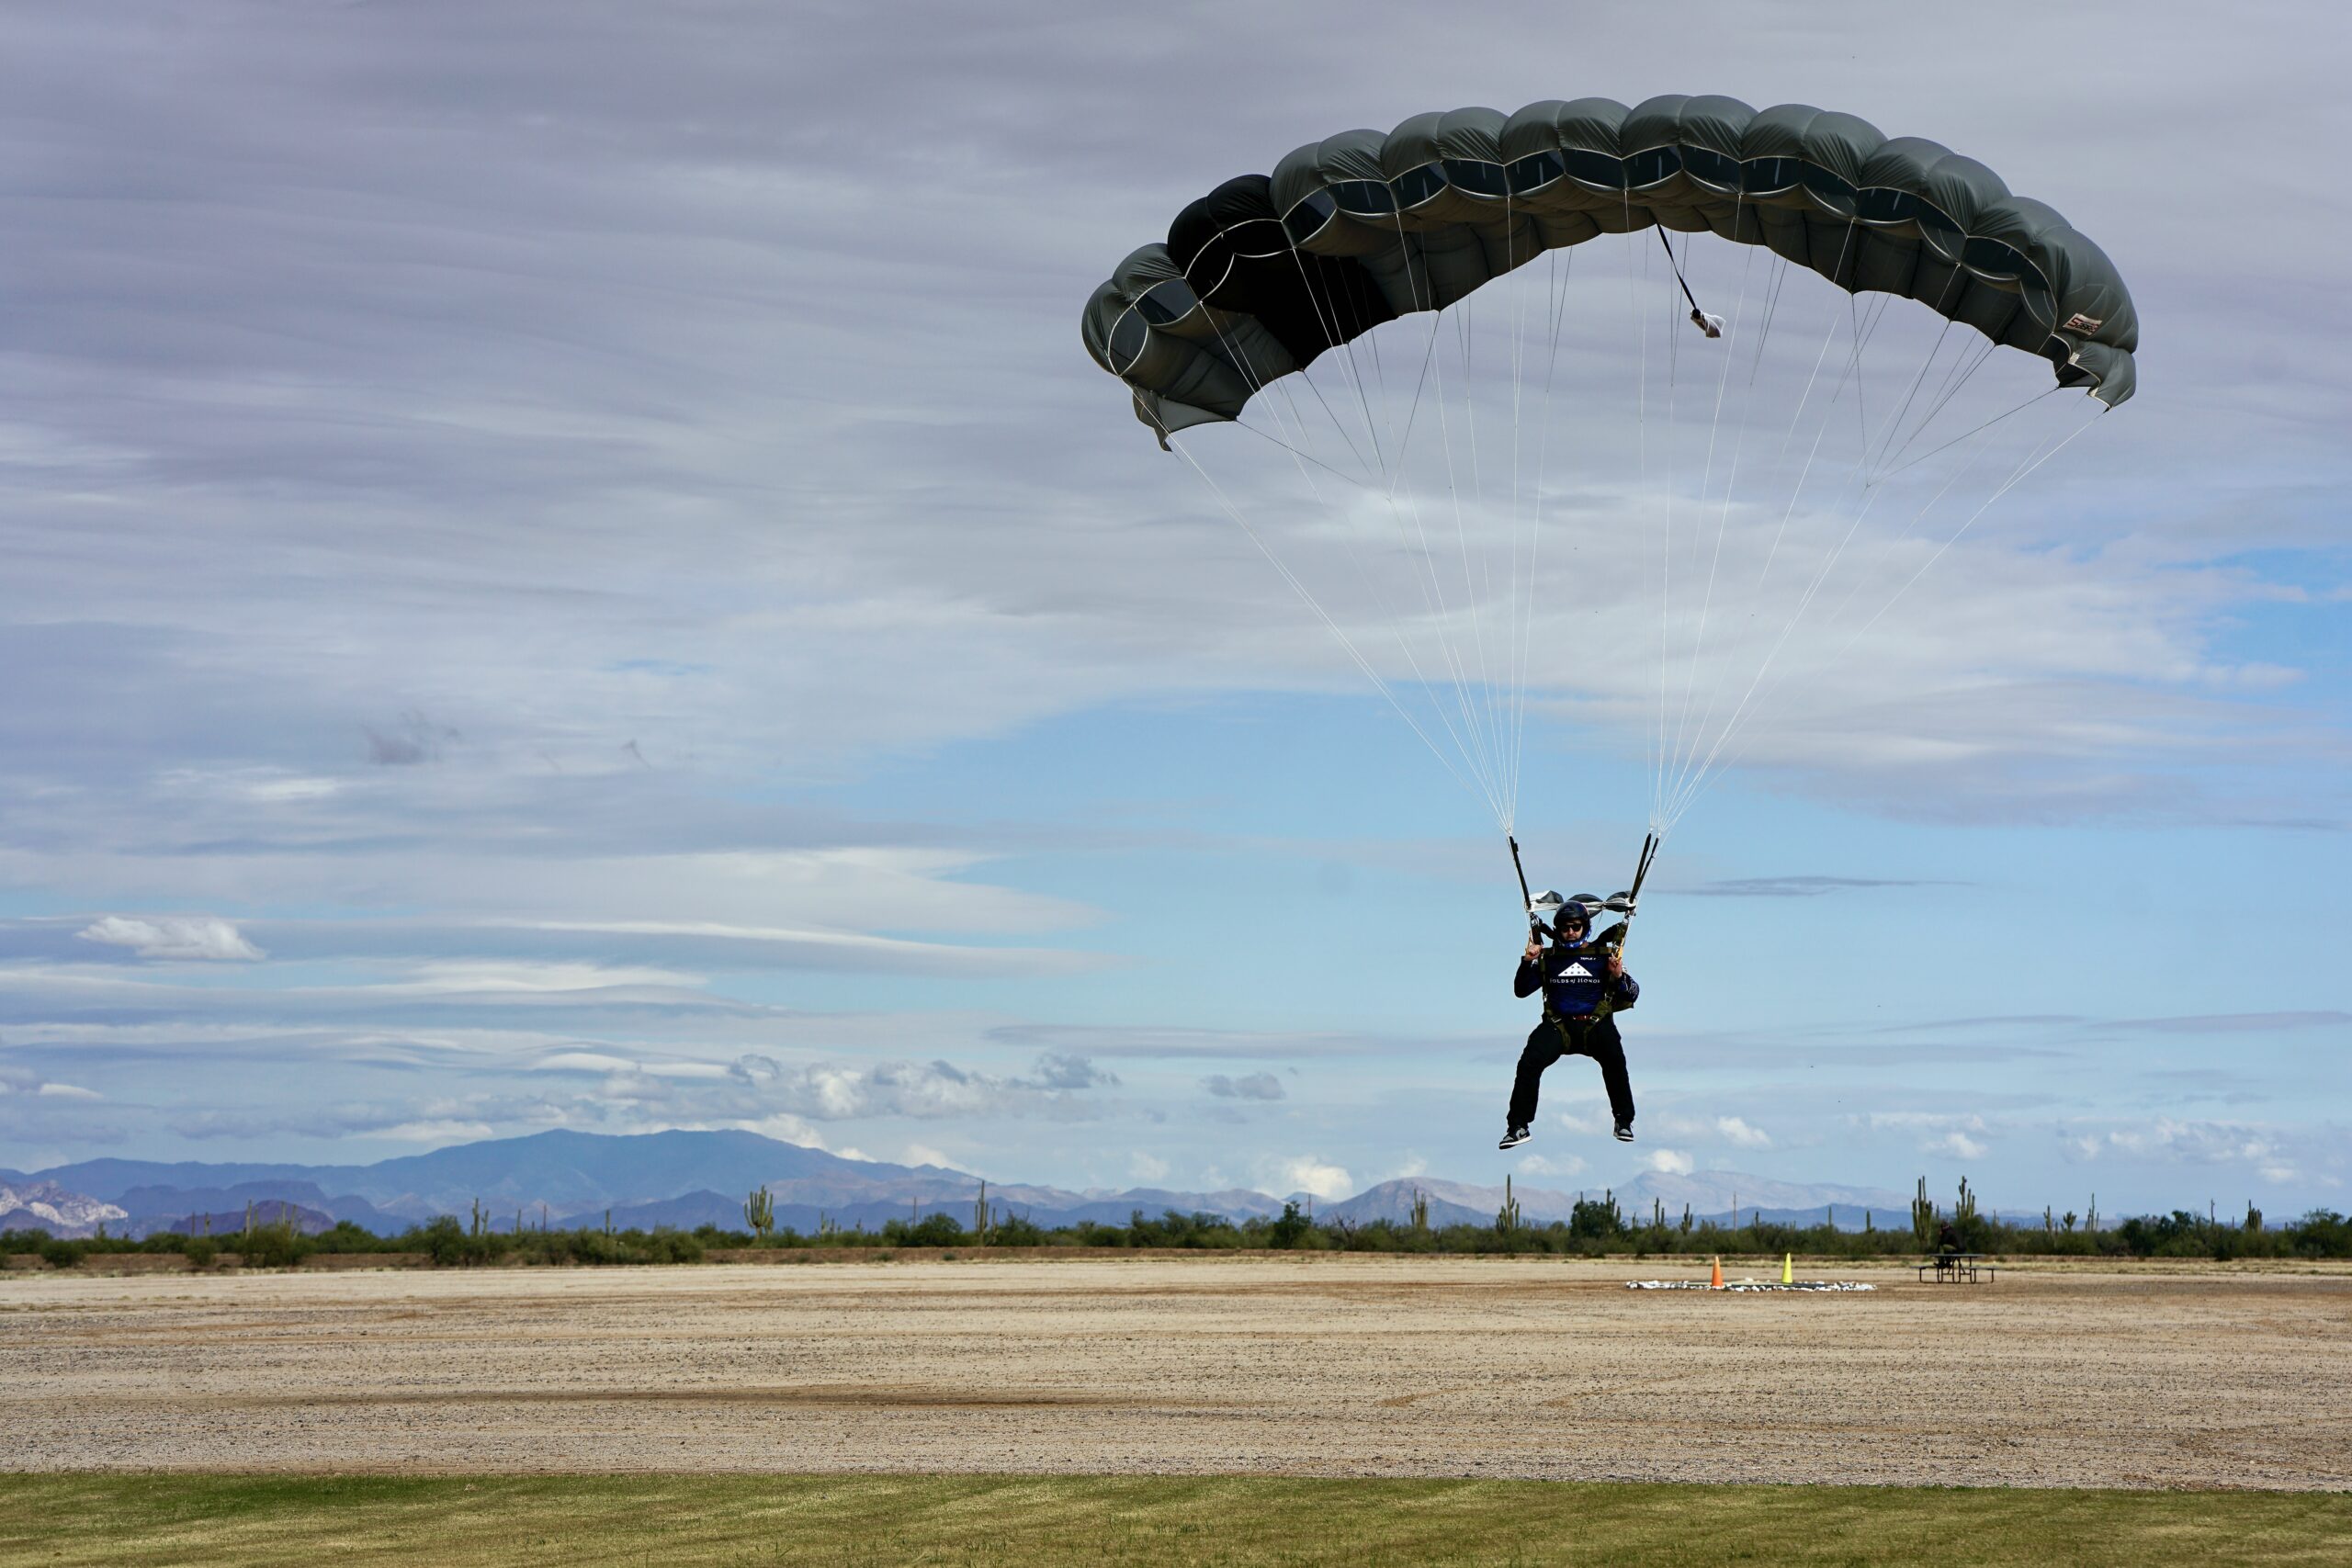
<point x="1326" y="1365"/>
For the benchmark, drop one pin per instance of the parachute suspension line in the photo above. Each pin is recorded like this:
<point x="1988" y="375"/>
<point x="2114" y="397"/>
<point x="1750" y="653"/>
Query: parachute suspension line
<point x="2025" y="467"/>
<point x="1306" y="374"/>
<point x="1306" y="456"/>
<point x="1555" y="307"/>
<point x="1679" y="791"/>
<point x="1964" y="435"/>
<point x="1355" y="559"/>
<point x="1476" y="591"/>
<point x="1641" y="468"/>
<point x="1515" y="668"/>
<point x="1432" y="587"/>
<point x="1333" y="330"/>
<point x="1894" y="420"/>
<point x="1888" y="433"/>
<point x="1714" y="692"/>
<point x="1706" y="481"/>
<point x="1673" y="338"/>
<point x="1771" y="310"/>
<point x="1445" y="434"/>
<point x="1744" y="713"/>
<point x="1329" y="321"/>
<point x="1687" y="760"/>
<point x="1960" y="471"/>
<point x="1963" y="371"/>
<point x="1797" y="491"/>
<point x="1481" y="717"/>
<point x="1666" y="532"/>
<point x="1335" y="628"/>
<point x="1240" y="362"/>
<point x="2017" y="475"/>
<point x="1471" y="750"/>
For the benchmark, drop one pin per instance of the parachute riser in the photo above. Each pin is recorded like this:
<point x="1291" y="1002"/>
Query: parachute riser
<point x="1633" y="893"/>
<point x="1526" y="899"/>
<point x="1608" y="1003"/>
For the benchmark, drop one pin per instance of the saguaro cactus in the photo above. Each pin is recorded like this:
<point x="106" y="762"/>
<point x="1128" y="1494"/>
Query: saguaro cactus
<point x="1507" y="1218"/>
<point x="1420" y="1211"/>
<point x="1923" y="1215"/>
<point x="759" y="1212"/>
<point x="980" y="1214"/>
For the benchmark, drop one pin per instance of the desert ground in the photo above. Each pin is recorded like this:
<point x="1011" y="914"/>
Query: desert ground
<point x="1299" y="1364"/>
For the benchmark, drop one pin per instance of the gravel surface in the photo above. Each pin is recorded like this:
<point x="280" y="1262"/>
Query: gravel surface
<point x="1325" y="1365"/>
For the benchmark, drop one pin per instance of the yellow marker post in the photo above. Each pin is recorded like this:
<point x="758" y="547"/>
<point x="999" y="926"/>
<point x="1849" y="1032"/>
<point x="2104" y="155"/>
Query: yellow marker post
<point x="1787" y="1276"/>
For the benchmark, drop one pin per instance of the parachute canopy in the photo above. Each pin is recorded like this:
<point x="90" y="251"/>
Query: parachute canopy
<point x="1262" y="274"/>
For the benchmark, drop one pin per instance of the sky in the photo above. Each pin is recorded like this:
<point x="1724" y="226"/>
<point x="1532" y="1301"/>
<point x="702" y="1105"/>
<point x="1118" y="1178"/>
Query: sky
<point x="566" y="566"/>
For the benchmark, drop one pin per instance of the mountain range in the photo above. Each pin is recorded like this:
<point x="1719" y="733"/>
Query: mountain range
<point x="688" y="1179"/>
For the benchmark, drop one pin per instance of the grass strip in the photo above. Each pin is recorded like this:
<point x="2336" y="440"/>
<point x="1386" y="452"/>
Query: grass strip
<point x="1045" y="1521"/>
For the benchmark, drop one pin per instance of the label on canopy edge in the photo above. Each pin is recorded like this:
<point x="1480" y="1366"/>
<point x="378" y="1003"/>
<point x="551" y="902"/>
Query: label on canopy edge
<point x="2078" y="322"/>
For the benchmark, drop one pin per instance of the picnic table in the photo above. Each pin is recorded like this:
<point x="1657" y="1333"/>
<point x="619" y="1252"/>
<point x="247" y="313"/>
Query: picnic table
<point x="1957" y="1267"/>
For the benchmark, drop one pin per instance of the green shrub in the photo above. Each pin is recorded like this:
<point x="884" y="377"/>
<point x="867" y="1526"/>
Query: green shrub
<point x="938" y="1229"/>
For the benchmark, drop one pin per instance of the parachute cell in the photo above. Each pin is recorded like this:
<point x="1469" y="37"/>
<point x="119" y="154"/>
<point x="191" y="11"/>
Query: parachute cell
<point x="1264" y="275"/>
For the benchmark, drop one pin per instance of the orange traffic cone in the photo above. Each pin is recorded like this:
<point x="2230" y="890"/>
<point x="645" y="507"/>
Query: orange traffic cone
<point x="1716" y="1274"/>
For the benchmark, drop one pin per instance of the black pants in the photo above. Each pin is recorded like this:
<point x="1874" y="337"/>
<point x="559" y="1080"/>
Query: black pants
<point x="1549" y="1042"/>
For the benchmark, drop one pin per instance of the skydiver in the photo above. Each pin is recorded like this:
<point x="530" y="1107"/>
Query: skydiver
<point x="1575" y="976"/>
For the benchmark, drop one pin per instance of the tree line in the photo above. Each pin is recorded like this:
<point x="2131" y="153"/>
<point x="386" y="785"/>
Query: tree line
<point x="1595" y="1228"/>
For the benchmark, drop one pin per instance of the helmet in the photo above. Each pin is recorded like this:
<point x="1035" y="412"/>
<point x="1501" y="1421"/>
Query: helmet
<point x="1572" y="913"/>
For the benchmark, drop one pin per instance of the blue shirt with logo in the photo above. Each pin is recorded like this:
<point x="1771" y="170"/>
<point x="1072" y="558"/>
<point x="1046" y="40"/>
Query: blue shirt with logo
<point x="1574" y="979"/>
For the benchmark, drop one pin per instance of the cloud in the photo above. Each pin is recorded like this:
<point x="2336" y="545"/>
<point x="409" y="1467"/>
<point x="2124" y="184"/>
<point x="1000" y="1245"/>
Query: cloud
<point x="1669" y="1162"/>
<point x="1056" y="1070"/>
<point x="1551" y="1164"/>
<point x="1959" y="1146"/>
<point x="1798" y="887"/>
<point x="536" y="620"/>
<point x="1586" y="1122"/>
<point x="1255" y="1085"/>
<point x="25" y="1081"/>
<point x="2170" y="1142"/>
<point x="1146" y="1169"/>
<point x="1914" y="1119"/>
<point x="1160" y="1042"/>
<point x="1740" y="1135"/>
<point x="846" y="1091"/>
<point x="1307" y="1173"/>
<point x="2239" y="1023"/>
<point x="413" y="741"/>
<point x="435" y="1132"/>
<point x="172" y="936"/>
<point x="1731" y="1130"/>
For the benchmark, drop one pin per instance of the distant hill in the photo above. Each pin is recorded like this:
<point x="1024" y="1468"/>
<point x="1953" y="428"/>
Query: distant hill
<point x="682" y="1179"/>
<point x="571" y="1172"/>
<point x="226" y="1224"/>
<point x="36" y="1204"/>
<point x="688" y="1179"/>
<point x="1713" y="1194"/>
<point x="162" y="1208"/>
<point x="1451" y="1203"/>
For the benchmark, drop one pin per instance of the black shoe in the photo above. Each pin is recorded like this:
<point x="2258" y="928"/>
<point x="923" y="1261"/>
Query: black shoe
<point x="1624" y="1132"/>
<point x="1514" y="1138"/>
